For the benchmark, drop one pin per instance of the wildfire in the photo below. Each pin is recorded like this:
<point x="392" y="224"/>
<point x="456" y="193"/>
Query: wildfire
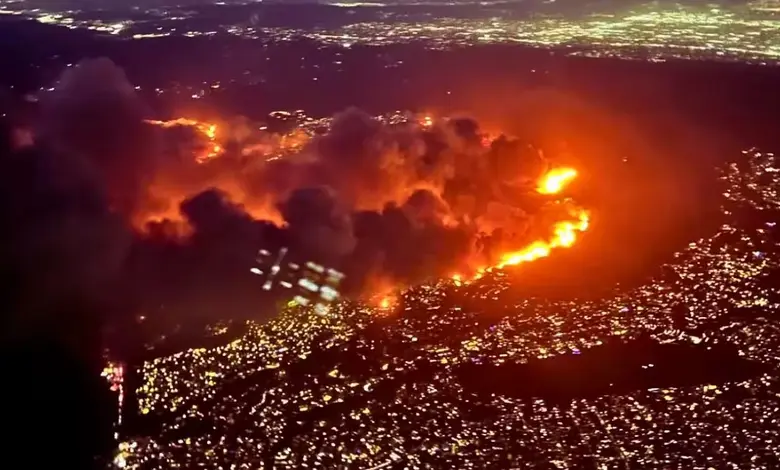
<point x="457" y="279"/>
<point x="564" y="232"/>
<point x="170" y="189"/>
<point x="213" y="149"/>
<point x="383" y="304"/>
<point x="564" y="236"/>
<point x="555" y="180"/>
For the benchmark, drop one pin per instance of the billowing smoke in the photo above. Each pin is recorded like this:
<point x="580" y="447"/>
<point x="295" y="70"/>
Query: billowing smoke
<point x="384" y="203"/>
<point x="63" y="247"/>
<point x="320" y="223"/>
<point x="94" y="113"/>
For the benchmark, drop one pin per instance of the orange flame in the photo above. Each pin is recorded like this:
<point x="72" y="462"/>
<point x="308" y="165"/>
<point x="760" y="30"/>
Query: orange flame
<point x="555" y="180"/>
<point x="213" y="150"/>
<point x="564" y="236"/>
<point x="564" y="232"/>
<point x="384" y="302"/>
<point x="168" y="189"/>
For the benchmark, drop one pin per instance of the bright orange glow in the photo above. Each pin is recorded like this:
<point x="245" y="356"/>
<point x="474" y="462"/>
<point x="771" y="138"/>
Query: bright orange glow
<point x="426" y="120"/>
<point x="387" y="302"/>
<point x="564" y="232"/>
<point x="555" y="180"/>
<point x="564" y="236"/>
<point x="457" y="279"/>
<point x="170" y="188"/>
<point x="213" y="149"/>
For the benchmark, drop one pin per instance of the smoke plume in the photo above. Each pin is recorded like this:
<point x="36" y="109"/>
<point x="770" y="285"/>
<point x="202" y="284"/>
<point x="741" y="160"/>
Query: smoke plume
<point x="387" y="203"/>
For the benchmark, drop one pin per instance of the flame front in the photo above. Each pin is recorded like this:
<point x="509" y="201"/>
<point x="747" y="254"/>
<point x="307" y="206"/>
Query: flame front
<point x="564" y="232"/>
<point x="564" y="236"/>
<point x="208" y="130"/>
<point x="555" y="180"/>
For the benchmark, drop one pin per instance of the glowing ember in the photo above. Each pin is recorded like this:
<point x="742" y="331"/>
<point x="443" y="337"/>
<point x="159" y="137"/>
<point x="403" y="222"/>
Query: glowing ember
<point x="555" y="180"/>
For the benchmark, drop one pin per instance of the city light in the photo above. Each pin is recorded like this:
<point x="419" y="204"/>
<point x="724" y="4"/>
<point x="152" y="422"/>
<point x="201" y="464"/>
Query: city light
<point x="349" y="399"/>
<point x="744" y="32"/>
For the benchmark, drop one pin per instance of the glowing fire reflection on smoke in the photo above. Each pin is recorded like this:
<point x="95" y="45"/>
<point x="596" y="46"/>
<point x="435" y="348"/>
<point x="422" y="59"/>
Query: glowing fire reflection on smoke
<point x="564" y="236"/>
<point x="555" y="180"/>
<point x="209" y="131"/>
<point x="564" y="232"/>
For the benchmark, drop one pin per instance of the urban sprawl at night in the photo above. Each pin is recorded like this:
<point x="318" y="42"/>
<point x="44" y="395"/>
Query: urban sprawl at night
<point x="407" y="234"/>
<point x="744" y="32"/>
<point x="456" y="373"/>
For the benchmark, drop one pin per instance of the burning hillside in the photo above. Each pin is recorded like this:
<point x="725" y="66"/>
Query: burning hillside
<point x="208" y="131"/>
<point x="388" y="201"/>
<point x="421" y="192"/>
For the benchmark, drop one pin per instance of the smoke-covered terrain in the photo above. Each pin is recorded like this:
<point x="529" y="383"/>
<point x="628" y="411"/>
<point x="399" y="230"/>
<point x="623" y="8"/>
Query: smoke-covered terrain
<point x="386" y="203"/>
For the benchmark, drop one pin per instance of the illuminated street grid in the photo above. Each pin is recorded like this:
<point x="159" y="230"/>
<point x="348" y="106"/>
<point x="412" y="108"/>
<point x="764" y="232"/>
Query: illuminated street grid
<point x="653" y="31"/>
<point x="369" y="388"/>
<point x="658" y="34"/>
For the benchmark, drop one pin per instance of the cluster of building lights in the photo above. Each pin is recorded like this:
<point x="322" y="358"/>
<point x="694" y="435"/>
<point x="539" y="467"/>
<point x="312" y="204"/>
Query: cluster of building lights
<point x="742" y="32"/>
<point x="369" y="386"/>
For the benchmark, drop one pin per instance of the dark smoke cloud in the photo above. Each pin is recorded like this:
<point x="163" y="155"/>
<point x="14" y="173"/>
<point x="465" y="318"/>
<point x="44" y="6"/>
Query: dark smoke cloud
<point x="399" y="203"/>
<point x="94" y="113"/>
<point x="206" y="275"/>
<point x="62" y="245"/>
<point x="320" y="223"/>
<point x="61" y="255"/>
